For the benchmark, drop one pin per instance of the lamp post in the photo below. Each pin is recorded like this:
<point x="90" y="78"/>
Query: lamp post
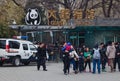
<point x="33" y="36"/>
<point x="51" y="34"/>
<point x="40" y="36"/>
<point x="19" y="30"/>
<point x="65" y="33"/>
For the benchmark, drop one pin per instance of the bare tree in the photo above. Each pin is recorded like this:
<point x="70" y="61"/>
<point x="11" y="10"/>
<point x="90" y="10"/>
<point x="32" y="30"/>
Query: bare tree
<point x="21" y="3"/>
<point x="108" y="7"/>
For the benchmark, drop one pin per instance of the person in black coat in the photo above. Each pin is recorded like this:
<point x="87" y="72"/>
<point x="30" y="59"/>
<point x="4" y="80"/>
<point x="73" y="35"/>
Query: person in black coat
<point x="65" y="58"/>
<point x="41" y="56"/>
<point x="81" y="62"/>
<point x="103" y="56"/>
<point x="117" y="56"/>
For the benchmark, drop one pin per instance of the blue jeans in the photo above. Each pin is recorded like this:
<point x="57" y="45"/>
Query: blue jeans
<point x="72" y="61"/>
<point x="96" y="62"/>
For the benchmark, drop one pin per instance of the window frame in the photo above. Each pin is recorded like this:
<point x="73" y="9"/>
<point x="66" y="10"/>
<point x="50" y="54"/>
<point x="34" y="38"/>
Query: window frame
<point x="26" y="47"/>
<point x="3" y="44"/>
<point x="12" y="46"/>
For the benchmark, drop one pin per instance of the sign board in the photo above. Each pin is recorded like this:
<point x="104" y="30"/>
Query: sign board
<point x="65" y="16"/>
<point x="33" y="17"/>
<point x="73" y="37"/>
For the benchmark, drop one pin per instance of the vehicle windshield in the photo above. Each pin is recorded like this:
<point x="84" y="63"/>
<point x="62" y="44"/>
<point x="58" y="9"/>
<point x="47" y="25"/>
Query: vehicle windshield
<point x="32" y="47"/>
<point x="2" y="44"/>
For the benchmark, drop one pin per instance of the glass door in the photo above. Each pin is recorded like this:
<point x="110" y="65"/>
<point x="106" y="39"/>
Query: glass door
<point x="81" y="38"/>
<point x="77" y="38"/>
<point x="73" y="38"/>
<point x="109" y="38"/>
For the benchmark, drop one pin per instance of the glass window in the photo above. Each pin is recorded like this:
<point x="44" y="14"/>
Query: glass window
<point x="25" y="47"/>
<point x="2" y="44"/>
<point x="14" y="44"/>
<point x="32" y="47"/>
<point x="109" y="38"/>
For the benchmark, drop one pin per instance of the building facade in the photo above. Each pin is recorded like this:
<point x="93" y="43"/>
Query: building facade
<point x="100" y="31"/>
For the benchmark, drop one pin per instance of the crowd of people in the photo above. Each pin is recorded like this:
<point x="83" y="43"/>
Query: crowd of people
<point x="100" y="55"/>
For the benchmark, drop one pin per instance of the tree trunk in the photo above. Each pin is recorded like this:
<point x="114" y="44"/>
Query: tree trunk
<point x="109" y="8"/>
<point x="85" y="8"/>
<point x="104" y="8"/>
<point x="107" y="11"/>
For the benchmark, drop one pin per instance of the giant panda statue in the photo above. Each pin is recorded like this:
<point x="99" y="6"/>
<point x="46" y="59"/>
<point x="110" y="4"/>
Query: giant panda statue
<point x="33" y="17"/>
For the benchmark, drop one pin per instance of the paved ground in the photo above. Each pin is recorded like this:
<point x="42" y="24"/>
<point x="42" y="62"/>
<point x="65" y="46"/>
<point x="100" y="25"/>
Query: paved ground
<point x="54" y="73"/>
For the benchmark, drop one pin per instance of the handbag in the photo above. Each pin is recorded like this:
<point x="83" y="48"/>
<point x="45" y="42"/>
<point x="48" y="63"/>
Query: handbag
<point x="47" y="55"/>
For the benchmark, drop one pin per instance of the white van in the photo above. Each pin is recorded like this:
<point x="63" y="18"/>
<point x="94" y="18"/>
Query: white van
<point x="16" y="51"/>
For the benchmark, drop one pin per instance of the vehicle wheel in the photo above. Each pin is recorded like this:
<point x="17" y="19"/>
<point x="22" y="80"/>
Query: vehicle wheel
<point x="1" y="63"/>
<point x="16" y="61"/>
<point x="26" y="63"/>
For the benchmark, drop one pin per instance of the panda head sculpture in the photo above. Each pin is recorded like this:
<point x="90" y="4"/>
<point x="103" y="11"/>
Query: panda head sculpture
<point x="33" y="17"/>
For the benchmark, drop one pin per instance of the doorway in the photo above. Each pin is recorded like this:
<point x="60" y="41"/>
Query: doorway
<point x="81" y="38"/>
<point x="77" y="38"/>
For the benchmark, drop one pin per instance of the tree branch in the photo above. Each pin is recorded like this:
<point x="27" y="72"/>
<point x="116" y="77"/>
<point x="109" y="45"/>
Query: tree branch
<point x="97" y="5"/>
<point x="16" y="3"/>
<point x="109" y="8"/>
<point x="103" y="8"/>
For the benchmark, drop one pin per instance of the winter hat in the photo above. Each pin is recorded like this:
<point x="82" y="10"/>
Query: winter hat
<point x="68" y="43"/>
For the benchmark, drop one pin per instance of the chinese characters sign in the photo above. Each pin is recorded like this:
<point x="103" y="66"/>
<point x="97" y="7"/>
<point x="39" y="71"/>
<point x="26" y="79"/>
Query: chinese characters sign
<point x="64" y="15"/>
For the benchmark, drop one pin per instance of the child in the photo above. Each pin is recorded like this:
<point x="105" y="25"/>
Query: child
<point x="81" y="62"/>
<point x="87" y="55"/>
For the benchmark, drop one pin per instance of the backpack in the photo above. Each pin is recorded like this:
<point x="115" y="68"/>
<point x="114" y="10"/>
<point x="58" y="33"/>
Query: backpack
<point x="96" y="54"/>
